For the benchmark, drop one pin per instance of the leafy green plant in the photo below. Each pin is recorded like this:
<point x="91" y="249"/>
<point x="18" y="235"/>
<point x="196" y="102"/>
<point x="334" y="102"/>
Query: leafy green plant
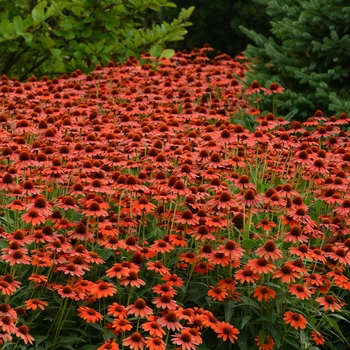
<point x="307" y="54"/>
<point x="52" y="37"/>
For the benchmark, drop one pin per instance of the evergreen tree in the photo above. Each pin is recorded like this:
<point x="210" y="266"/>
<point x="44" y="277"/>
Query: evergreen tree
<point x="308" y="55"/>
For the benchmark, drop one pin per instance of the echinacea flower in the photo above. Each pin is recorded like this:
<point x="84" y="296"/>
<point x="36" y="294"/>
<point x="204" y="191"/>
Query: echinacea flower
<point x="329" y="303"/>
<point x="139" y="308"/>
<point x="134" y="341"/>
<point x="185" y="340"/>
<point x="153" y="328"/>
<point x="266" y="344"/>
<point x="89" y="314"/>
<point x="23" y="333"/>
<point x="226" y="331"/>
<point x="263" y="292"/>
<point x="295" y="320"/>
<point x="33" y="304"/>
<point x="103" y="289"/>
<point x="109" y="345"/>
<point x="217" y="293"/>
<point x="317" y="338"/>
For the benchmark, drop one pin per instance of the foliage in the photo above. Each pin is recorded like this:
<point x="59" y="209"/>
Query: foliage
<point x="307" y="54"/>
<point x="59" y="36"/>
<point x="217" y="23"/>
<point x="137" y="212"/>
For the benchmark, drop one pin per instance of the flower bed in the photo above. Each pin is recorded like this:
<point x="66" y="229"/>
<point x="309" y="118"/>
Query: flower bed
<point x="139" y="211"/>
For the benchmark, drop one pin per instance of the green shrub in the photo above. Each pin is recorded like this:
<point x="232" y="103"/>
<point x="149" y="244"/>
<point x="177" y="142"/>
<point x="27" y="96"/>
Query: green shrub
<point x="308" y="55"/>
<point x="59" y="36"/>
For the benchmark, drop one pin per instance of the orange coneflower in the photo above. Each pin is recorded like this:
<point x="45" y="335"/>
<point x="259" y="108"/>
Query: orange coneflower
<point x="329" y="303"/>
<point x="165" y="302"/>
<point x="109" y="345"/>
<point x="89" y="314"/>
<point x="295" y="235"/>
<point x="295" y="320"/>
<point x="226" y="331"/>
<point x="66" y="292"/>
<point x="231" y="249"/>
<point x="267" y="343"/>
<point x="246" y="275"/>
<point x="103" y="289"/>
<point x="133" y="280"/>
<point x="153" y="328"/>
<point x="217" y="293"/>
<point x="269" y="251"/>
<point x="170" y="321"/>
<point x="173" y="279"/>
<point x="139" y="308"/>
<point x="117" y="310"/>
<point x="164" y="289"/>
<point x="17" y="256"/>
<point x="260" y="266"/>
<point x="286" y="273"/>
<point x="185" y="340"/>
<point x="161" y="246"/>
<point x="263" y="292"/>
<point x="157" y="267"/>
<point x="300" y="291"/>
<point x="7" y="324"/>
<point x="33" y="304"/>
<point x="317" y="338"/>
<point x="135" y="341"/>
<point x="23" y="333"/>
<point x="121" y="325"/>
<point x="33" y="217"/>
<point x="155" y="343"/>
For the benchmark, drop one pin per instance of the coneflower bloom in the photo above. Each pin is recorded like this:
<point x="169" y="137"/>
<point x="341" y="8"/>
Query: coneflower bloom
<point x="33" y="217"/>
<point x="286" y="273"/>
<point x="300" y="291"/>
<point x="246" y="275"/>
<point x="89" y="314"/>
<point x="165" y="302"/>
<point x="170" y="321"/>
<point x="7" y="323"/>
<point x="135" y="341"/>
<point x="266" y="344"/>
<point x="295" y="235"/>
<point x="263" y="292"/>
<point x="117" y="310"/>
<point x="109" y="345"/>
<point x="329" y="303"/>
<point x="16" y="257"/>
<point x="157" y="267"/>
<point x="121" y="325"/>
<point x="33" y="304"/>
<point x="103" y="289"/>
<point x="163" y="289"/>
<point x="153" y="328"/>
<point x="231" y="249"/>
<point x="317" y="338"/>
<point x="161" y="246"/>
<point x="185" y="340"/>
<point x="260" y="266"/>
<point x="155" y="343"/>
<point x="139" y="308"/>
<point x="23" y="333"/>
<point x="295" y="320"/>
<point x="226" y="331"/>
<point x="269" y="251"/>
<point x="133" y="280"/>
<point x="117" y="270"/>
<point x="217" y="293"/>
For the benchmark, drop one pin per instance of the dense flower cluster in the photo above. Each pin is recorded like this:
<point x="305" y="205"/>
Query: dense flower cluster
<point x="133" y="200"/>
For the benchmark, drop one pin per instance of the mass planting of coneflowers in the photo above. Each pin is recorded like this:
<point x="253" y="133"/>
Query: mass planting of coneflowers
<point x="139" y="211"/>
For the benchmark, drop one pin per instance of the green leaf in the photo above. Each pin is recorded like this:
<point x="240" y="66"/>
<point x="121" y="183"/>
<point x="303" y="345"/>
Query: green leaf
<point x="245" y="320"/>
<point x="27" y="36"/>
<point x="86" y="33"/>
<point x="167" y="53"/>
<point x="13" y="46"/>
<point x="38" y="14"/>
<point x="55" y="52"/>
<point x="155" y="50"/>
<point x="229" y="308"/>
